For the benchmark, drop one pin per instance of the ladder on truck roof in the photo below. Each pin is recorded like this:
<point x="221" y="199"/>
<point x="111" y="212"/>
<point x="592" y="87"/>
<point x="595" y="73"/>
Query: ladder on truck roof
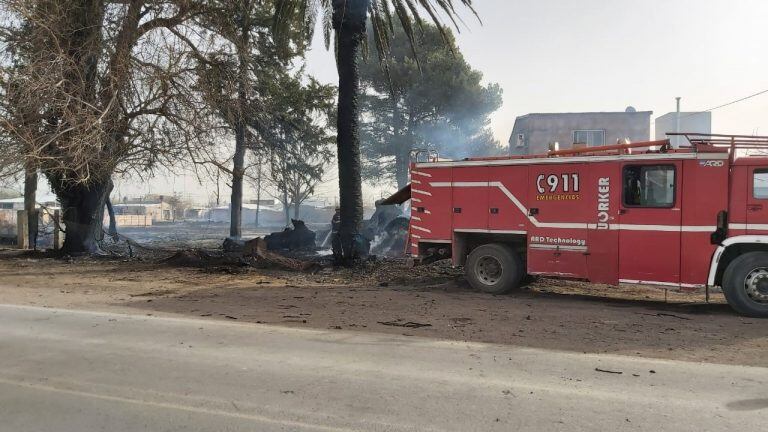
<point x="730" y="143"/>
<point x="661" y="146"/>
<point x="699" y="143"/>
<point x="724" y="141"/>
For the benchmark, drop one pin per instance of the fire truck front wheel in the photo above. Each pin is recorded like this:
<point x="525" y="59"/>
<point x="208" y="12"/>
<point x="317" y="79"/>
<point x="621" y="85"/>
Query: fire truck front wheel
<point x="494" y="268"/>
<point x="745" y="284"/>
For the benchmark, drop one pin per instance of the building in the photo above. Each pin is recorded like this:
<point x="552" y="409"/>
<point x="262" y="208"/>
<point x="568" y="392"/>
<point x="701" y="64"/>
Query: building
<point x="141" y="214"/>
<point x="47" y="201"/>
<point x="9" y="208"/>
<point x="272" y="215"/>
<point x="538" y="132"/>
<point x="697" y="122"/>
<point x="269" y="214"/>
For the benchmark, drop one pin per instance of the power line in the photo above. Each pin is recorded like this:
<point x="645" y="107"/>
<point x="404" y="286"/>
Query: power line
<point x="728" y="103"/>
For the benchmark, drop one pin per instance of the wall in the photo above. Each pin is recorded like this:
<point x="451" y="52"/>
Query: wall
<point x="153" y="211"/>
<point x="8" y="223"/>
<point x="698" y="122"/>
<point x="542" y="129"/>
<point x="130" y="220"/>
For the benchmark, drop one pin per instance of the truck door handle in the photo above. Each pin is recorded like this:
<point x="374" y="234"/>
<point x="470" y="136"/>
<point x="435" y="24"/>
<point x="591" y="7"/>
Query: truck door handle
<point x="533" y="211"/>
<point x="755" y="207"/>
<point x="622" y="211"/>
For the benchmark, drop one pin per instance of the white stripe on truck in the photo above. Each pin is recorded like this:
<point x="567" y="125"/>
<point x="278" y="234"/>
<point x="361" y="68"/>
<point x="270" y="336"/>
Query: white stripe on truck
<point x="581" y="225"/>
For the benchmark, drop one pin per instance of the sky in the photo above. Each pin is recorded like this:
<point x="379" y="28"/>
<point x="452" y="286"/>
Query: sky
<point x="592" y="55"/>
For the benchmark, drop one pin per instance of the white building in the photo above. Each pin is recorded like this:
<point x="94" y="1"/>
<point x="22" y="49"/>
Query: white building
<point x="141" y="214"/>
<point x="10" y="206"/>
<point x="696" y="122"/>
<point x="48" y="201"/>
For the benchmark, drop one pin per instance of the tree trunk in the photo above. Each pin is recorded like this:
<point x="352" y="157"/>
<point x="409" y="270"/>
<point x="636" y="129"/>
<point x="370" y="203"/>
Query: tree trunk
<point x="349" y="19"/>
<point x="236" y="206"/>
<point x="238" y="170"/>
<point x="112" y="219"/>
<point x="83" y="214"/>
<point x="401" y="147"/>
<point x="402" y="159"/>
<point x="30" y="192"/>
<point x="286" y="209"/>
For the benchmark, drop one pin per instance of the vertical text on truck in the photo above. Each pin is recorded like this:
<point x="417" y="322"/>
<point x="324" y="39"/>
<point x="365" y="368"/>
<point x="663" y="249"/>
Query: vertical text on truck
<point x="641" y="213"/>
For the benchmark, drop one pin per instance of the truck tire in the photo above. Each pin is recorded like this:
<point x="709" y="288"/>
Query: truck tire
<point x="494" y="268"/>
<point x="745" y="284"/>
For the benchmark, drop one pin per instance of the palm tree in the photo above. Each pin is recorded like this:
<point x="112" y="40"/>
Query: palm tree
<point x="348" y="22"/>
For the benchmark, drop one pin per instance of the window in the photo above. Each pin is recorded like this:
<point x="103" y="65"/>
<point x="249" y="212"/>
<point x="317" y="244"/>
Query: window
<point x="592" y="138"/>
<point x="760" y="184"/>
<point x="520" y="140"/>
<point x="649" y="185"/>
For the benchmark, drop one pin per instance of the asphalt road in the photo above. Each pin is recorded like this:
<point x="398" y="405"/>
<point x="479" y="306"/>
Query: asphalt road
<point x="76" y="371"/>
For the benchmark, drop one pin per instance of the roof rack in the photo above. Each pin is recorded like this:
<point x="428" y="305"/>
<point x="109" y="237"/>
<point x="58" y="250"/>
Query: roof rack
<point x="705" y="143"/>
<point x="724" y="141"/>
<point x="660" y="146"/>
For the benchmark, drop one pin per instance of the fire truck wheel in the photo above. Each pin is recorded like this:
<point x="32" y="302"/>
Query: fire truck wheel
<point x="745" y="284"/>
<point x="494" y="268"/>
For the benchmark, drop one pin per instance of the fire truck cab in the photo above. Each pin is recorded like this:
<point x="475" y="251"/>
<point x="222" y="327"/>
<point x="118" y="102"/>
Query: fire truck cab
<point x="641" y="213"/>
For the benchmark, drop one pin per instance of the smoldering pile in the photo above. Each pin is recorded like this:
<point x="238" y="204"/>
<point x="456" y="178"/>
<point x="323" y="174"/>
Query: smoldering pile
<point x="387" y="229"/>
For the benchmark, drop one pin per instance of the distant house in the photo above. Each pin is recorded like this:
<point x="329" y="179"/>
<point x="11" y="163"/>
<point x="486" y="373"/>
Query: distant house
<point x="10" y="206"/>
<point x="538" y="132"/>
<point x="193" y="213"/>
<point x="138" y="213"/>
<point x="696" y="122"/>
<point x="273" y="215"/>
<point x="48" y="201"/>
<point x="270" y="214"/>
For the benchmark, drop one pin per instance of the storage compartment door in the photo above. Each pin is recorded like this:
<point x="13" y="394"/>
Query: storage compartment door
<point x="557" y="241"/>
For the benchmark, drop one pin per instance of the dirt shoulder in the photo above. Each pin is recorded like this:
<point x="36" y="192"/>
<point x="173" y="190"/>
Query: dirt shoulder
<point x="432" y="301"/>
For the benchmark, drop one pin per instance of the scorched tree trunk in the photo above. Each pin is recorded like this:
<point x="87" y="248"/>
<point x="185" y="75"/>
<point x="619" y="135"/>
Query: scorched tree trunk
<point x="349" y="19"/>
<point x="82" y="208"/>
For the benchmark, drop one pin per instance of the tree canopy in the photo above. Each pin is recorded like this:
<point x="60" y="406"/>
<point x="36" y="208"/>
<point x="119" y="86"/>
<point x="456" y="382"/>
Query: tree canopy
<point x="427" y="96"/>
<point x="304" y="115"/>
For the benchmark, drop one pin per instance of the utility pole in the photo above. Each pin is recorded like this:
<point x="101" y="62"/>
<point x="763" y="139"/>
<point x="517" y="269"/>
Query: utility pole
<point x="677" y="123"/>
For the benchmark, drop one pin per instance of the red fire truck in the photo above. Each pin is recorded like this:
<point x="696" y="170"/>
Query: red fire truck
<point x="641" y="213"/>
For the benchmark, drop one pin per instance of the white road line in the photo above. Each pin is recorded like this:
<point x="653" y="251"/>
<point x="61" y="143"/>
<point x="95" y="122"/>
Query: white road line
<point x="166" y="405"/>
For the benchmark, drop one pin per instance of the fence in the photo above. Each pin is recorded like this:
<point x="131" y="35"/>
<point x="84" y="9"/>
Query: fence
<point x="131" y="220"/>
<point x="14" y="222"/>
<point x="8" y="224"/>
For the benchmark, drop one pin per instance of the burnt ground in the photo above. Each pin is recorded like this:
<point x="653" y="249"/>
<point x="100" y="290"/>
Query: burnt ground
<point x="387" y="296"/>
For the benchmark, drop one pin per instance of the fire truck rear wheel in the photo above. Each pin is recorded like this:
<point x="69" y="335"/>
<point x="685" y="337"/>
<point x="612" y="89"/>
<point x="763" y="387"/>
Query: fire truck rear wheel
<point x="745" y="284"/>
<point x="494" y="268"/>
